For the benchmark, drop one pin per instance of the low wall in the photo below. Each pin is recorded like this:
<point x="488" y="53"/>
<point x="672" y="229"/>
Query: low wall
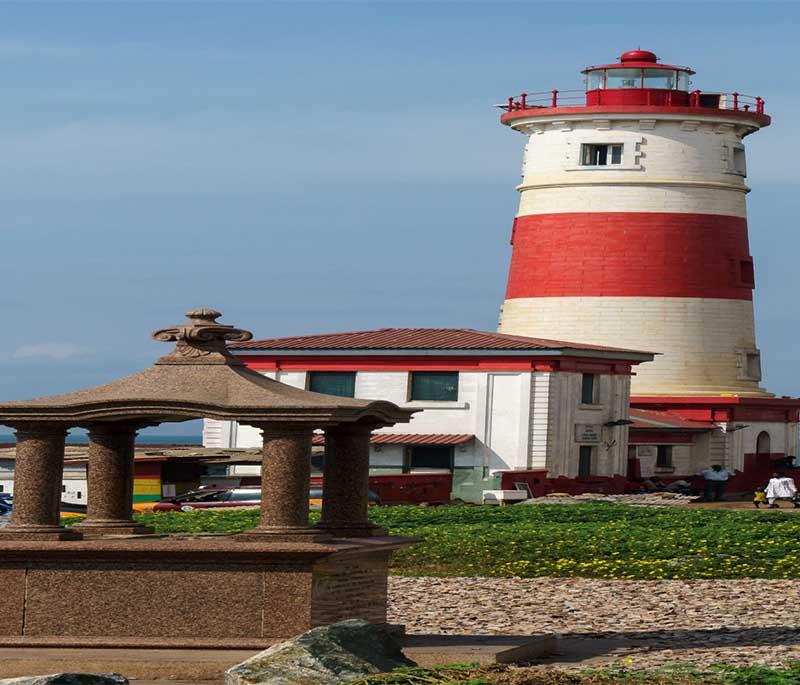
<point x="199" y="592"/>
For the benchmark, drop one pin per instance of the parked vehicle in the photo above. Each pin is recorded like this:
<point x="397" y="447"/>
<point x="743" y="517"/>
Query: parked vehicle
<point x="215" y="498"/>
<point x="5" y="503"/>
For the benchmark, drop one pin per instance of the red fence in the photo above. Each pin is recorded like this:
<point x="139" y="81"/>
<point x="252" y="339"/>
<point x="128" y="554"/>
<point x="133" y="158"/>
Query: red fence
<point x="735" y="102"/>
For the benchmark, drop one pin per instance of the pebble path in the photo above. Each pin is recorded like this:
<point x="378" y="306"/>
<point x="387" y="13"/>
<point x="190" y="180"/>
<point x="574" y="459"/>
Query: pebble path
<point x="614" y="622"/>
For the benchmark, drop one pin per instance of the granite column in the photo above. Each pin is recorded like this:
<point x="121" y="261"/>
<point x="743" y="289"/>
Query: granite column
<point x="285" y="474"/>
<point x="38" y="477"/>
<point x="110" y="482"/>
<point x="345" y="496"/>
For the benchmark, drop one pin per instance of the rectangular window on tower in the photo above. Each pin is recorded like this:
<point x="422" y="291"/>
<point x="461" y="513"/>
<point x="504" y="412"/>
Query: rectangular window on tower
<point x="739" y="163"/>
<point x="601" y="154"/>
<point x="747" y="274"/>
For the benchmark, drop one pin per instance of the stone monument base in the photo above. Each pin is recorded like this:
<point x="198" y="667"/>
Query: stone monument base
<point x="187" y="592"/>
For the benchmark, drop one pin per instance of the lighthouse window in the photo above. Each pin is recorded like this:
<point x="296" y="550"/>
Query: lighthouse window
<point x="595" y="79"/>
<point x="659" y="78"/>
<point x="624" y="78"/>
<point x="601" y="155"/>
<point x="739" y="163"/>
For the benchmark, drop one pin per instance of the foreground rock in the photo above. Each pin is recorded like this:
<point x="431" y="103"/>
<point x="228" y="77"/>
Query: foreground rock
<point x="322" y="656"/>
<point x="68" y="679"/>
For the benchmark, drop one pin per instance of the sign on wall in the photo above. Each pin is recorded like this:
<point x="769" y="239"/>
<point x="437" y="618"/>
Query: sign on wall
<point x="587" y="432"/>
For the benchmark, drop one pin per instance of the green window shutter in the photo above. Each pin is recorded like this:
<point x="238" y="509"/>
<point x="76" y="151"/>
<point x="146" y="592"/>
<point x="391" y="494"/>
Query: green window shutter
<point x="437" y="386"/>
<point x="339" y="383"/>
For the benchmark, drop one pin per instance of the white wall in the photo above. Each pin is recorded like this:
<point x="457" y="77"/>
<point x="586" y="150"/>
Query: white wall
<point x="565" y="411"/>
<point x="681" y="461"/>
<point x="520" y="420"/>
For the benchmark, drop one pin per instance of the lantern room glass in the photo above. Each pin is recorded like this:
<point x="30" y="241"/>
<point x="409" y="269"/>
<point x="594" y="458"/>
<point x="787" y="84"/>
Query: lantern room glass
<point x="624" y="78"/>
<point x="663" y="79"/>
<point x="683" y="80"/>
<point x="595" y="79"/>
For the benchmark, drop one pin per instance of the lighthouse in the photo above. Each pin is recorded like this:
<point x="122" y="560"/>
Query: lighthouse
<point x="632" y="225"/>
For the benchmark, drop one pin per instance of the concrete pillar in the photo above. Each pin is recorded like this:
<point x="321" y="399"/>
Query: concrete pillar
<point x="346" y="482"/>
<point x="110" y="482"/>
<point x="38" y="477"/>
<point x="285" y="474"/>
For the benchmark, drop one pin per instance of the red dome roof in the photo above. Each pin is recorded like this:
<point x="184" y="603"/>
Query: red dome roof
<point x="638" y="56"/>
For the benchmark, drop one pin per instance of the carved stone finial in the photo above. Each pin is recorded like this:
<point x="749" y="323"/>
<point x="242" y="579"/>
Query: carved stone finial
<point x="202" y="340"/>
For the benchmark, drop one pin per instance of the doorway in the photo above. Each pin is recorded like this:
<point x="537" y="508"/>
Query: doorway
<point x="763" y="443"/>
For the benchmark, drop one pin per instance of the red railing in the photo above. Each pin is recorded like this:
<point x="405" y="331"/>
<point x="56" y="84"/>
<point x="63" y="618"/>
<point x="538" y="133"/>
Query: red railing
<point x="736" y="102"/>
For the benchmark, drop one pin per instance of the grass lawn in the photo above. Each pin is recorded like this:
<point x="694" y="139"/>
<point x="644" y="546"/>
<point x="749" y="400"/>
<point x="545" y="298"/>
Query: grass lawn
<point x="504" y="675"/>
<point x="593" y="540"/>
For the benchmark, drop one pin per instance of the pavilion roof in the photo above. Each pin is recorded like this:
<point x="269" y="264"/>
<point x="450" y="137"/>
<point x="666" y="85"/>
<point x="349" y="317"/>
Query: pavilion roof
<point x="199" y="378"/>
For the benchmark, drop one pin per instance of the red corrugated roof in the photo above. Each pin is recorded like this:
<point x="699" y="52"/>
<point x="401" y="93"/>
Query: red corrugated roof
<point x="660" y="420"/>
<point x="410" y="439"/>
<point x="417" y="339"/>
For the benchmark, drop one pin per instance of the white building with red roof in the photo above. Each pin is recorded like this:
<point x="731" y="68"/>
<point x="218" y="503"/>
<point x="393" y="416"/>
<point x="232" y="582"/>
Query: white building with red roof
<point x="488" y="403"/>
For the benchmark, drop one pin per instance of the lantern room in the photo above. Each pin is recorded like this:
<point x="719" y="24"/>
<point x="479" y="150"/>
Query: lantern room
<point x="637" y="79"/>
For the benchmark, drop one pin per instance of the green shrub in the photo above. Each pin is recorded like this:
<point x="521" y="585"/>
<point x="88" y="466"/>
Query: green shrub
<point x="593" y="540"/>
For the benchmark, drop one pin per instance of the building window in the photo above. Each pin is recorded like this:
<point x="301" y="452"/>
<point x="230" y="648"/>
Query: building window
<point x="600" y="154"/>
<point x="436" y="386"/>
<point x="429" y="458"/>
<point x="664" y="457"/>
<point x="588" y="387"/>
<point x="585" y="461"/>
<point x="340" y="383"/>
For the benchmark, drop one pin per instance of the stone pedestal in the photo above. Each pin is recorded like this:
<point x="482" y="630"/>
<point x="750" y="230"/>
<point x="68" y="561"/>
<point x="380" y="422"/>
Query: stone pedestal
<point x="167" y="592"/>
<point x="285" y="476"/>
<point x="346" y="482"/>
<point x="38" y="475"/>
<point x="109" y="508"/>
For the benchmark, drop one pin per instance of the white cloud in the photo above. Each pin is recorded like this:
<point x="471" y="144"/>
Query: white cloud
<point x="51" y="350"/>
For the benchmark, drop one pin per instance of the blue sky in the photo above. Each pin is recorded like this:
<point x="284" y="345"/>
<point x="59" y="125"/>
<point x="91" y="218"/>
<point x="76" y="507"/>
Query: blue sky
<point x="309" y="167"/>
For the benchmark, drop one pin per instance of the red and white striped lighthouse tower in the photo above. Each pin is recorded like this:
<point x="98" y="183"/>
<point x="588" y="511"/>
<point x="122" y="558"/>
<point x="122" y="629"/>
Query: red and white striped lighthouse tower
<point x="632" y="225"/>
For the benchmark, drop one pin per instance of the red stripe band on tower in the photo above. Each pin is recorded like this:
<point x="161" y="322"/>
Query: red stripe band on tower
<point x="630" y="254"/>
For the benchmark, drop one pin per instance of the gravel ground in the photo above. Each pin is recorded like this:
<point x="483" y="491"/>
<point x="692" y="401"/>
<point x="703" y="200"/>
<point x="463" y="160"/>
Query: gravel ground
<point x="608" y="622"/>
<point x="653" y="499"/>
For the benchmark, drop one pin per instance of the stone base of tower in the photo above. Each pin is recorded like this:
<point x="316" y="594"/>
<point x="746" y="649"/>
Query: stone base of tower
<point x="707" y="346"/>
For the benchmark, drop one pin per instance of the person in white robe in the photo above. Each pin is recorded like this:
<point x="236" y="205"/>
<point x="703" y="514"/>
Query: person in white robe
<point x="779" y="487"/>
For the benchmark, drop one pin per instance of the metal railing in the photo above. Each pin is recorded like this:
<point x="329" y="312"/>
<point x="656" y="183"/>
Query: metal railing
<point x="736" y="102"/>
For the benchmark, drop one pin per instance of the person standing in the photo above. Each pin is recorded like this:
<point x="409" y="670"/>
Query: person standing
<point x="780" y="486"/>
<point x="715" y="480"/>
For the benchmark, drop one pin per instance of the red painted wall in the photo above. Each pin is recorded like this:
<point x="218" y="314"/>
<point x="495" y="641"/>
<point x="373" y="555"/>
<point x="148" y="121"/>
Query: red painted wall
<point x="635" y="254"/>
